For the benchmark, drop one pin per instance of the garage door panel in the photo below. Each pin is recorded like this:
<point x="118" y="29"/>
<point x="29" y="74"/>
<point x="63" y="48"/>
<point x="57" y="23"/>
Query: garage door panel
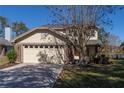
<point x="37" y="55"/>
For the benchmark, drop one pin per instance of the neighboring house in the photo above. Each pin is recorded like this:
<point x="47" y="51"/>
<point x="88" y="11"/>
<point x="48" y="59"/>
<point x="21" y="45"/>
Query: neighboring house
<point x="5" y="43"/>
<point x="4" y="46"/>
<point x="47" y="45"/>
<point x="115" y="49"/>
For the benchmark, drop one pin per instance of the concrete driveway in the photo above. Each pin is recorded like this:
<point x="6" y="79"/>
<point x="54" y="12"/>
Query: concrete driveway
<point x="30" y="75"/>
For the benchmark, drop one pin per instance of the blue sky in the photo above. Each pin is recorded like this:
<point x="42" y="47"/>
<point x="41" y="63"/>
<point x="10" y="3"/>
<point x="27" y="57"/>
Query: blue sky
<point x="35" y="16"/>
<point x="118" y="24"/>
<point x="31" y="15"/>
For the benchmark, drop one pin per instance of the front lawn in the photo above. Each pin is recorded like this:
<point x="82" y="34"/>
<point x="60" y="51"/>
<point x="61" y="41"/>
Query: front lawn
<point x="93" y="76"/>
<point x="4" y="63"/>
<point x="3" y="60"/>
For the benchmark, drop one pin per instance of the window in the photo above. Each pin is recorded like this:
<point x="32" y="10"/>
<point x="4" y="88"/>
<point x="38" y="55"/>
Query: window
<point x="92" y="33"/>
<point x="61" y="46"/>
<point x="51" y="46"/>
<point x="56" y="46"/>
<point x="41" y="46"/>
<point x="31" y="46"/>
<point x="26" y="46"/>
<point x="36" y="46"/>
<point x="46" y="46"/>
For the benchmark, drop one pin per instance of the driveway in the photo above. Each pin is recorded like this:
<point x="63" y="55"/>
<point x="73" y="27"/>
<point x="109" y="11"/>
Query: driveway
<point x="30" y="75"/>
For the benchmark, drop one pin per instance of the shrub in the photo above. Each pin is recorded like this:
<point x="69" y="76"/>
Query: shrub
<point x="100" y="59"/>
<point x="11" y="54"/>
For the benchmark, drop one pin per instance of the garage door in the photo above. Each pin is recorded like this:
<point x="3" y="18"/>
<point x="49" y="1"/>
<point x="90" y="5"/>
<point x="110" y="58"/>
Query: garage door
<point x="43" y="54"/>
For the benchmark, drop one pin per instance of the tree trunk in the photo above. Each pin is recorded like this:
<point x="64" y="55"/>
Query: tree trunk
<point x="83" y="57"/>
<point x="18" y="52"/>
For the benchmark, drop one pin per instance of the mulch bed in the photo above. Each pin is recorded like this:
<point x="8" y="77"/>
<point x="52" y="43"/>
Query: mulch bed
<point x="7" y="65"/>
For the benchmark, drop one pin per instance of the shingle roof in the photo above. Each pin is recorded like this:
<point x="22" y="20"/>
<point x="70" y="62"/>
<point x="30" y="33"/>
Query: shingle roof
<point x="51" y="28"/>
<point x="5" y="42"/>
<point x="37" y="29"/>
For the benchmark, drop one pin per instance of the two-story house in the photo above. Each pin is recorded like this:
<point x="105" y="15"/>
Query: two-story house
<point x="47" y="44"/>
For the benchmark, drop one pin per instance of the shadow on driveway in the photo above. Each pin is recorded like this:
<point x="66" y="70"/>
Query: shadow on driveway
<point x="30" y="76"/>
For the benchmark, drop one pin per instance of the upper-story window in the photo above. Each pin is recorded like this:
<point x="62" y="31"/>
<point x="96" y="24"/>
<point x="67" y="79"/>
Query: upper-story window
<point x="92" y="33"/>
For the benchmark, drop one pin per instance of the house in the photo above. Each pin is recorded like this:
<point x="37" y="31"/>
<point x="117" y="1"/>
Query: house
<point x="5" y="43"/>
<point x="47" y="45"/>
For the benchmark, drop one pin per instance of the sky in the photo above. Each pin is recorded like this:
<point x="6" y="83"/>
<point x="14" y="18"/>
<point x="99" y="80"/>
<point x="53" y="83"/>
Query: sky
<point x="34" y="16"/>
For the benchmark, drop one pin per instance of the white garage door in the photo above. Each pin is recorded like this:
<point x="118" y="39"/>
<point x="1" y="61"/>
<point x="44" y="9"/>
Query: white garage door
<point x="43" y="54"/>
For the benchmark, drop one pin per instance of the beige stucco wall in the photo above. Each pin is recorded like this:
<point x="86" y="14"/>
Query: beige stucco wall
<point x="41" y="37"/>
<point x="33" y="55"/>
<point x="91" y="50"/>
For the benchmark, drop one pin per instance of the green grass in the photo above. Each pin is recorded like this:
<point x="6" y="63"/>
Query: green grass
<point x="93" y="76"/>
<point x="3" y="60"/>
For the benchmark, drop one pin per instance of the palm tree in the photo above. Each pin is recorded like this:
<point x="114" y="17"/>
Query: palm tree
<point x="19" y="27"/>
<point x="3" y="24"/>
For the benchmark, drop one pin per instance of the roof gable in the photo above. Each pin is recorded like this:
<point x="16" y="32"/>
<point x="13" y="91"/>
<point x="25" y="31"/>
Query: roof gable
<point x="39" y="29"/>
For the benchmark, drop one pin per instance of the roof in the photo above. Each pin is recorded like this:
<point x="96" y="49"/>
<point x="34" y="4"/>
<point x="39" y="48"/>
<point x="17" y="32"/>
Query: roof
<point x="4" y="42"/>
<point x="38" y="29"/>
<point x="59" y="26"/>
<point x="54" y="26"/>
<point x="53" y="30"/>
